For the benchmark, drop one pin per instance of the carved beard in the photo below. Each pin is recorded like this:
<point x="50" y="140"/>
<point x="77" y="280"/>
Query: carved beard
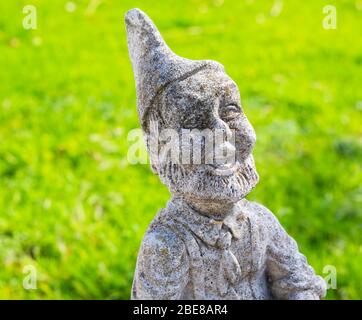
<point x="199" y="182"/>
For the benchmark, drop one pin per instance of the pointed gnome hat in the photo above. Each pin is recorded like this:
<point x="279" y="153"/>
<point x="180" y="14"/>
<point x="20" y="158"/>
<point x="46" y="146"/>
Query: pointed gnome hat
<point x="155" y="65"/>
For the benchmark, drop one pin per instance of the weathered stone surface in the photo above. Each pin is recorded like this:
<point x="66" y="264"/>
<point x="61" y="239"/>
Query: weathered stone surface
<point x="209" y="242"/>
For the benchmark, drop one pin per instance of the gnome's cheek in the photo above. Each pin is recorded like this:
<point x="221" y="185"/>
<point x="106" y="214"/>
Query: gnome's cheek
<point x="244" y="147"/>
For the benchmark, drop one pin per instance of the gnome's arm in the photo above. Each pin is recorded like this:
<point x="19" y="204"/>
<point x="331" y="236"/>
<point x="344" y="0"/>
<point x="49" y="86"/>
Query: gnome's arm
<point x="162" y="267"/>
<point x="290" y="276"/>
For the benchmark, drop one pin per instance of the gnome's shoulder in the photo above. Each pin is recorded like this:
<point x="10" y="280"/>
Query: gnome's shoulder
<point x="262" y="214"/>
<point x="162" y="262"/>
<point x="162" y="233"/>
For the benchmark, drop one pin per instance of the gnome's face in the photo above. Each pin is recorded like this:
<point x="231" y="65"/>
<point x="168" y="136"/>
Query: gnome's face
<point x="180" y="94"/>
<point x="208" y="101"/>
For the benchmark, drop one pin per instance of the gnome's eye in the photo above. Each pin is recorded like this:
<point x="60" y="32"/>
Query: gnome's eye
<point x="230" y="112"/>
<point x="190" y="122"/>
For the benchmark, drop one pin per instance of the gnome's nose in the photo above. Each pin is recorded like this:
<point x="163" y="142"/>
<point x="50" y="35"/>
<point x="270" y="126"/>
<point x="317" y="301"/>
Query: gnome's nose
<point x="245" y="139"/>
<point x="222" y="127"/>
<point x="223" y="141"/>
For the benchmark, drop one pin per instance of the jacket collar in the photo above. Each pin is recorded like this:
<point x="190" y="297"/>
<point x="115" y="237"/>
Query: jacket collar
<point x="205" y="228"/>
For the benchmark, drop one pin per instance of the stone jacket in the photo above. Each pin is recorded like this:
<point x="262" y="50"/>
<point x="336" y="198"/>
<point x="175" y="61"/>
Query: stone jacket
<point x="248" y="255"/>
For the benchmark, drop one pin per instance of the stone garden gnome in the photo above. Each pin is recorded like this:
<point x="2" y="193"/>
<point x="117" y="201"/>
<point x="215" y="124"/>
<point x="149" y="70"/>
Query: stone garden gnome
<point x="209" y="242"/>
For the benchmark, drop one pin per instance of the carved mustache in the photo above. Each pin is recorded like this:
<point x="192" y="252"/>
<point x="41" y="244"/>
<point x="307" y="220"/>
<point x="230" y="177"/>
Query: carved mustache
<point x="181" y="179"/>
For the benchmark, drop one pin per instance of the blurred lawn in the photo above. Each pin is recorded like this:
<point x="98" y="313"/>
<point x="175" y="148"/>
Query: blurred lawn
<point x="72" y="206"/>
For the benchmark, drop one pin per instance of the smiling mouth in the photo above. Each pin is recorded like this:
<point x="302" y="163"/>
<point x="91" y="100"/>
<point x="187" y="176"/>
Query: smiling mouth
<point x="224" y="169"/>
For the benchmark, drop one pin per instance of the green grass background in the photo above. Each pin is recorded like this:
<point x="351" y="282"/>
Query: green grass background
<point x="73" y="207"/>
